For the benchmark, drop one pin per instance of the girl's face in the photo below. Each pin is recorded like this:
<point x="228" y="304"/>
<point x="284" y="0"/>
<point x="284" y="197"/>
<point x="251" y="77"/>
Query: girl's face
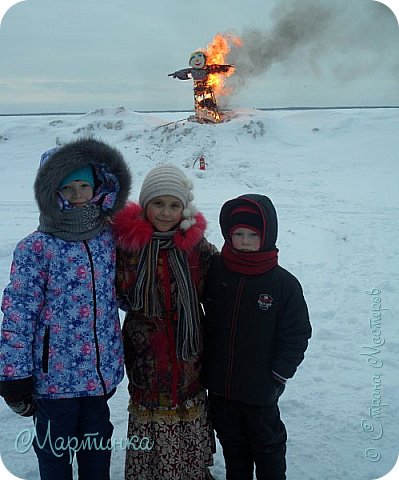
<point x="78" y="193"/>
<point x="164" y="212"/>
<point x="245" y="240"/>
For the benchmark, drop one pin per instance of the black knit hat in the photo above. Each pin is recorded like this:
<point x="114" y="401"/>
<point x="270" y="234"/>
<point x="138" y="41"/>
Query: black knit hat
<point x="245" y="216"/>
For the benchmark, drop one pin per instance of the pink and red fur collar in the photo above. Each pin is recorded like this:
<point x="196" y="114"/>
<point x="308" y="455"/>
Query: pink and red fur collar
<point x="132" y="231"/>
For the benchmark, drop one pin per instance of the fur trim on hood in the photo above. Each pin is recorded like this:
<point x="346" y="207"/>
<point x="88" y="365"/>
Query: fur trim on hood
<point x="60" y="162"/>
<point x="132" y="231"/>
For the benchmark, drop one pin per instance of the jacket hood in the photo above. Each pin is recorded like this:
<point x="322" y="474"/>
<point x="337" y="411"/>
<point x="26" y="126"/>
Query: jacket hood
<point x="112" y="174"/>
<point x="132" y="231"/>
<point x="267" y="213"/>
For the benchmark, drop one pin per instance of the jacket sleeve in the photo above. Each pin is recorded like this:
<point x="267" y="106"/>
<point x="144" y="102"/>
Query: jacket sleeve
<point x="292" y="332"/>
<point x="206" y="252"/>
<point x="216" y="68"/>
<point x="23" y="299"/>
<point x="183" y="74"/>
<point x="125" y="278"/>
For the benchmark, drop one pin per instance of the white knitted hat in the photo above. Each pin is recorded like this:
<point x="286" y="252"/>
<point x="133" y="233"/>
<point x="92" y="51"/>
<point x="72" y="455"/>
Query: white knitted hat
<point x="167" y="179"/>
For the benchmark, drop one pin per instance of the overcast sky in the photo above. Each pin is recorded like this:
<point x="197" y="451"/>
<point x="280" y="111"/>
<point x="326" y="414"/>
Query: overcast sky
<point x="78" y="55"/>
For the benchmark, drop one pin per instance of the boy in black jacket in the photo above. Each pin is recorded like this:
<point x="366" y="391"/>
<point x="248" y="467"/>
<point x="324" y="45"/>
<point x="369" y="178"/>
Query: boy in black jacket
<point x="256" y="332"/>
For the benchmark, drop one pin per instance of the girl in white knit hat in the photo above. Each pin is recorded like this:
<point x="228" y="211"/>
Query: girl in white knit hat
<point x="162" y="261"/>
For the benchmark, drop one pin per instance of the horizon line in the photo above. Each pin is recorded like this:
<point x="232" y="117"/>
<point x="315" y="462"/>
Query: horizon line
<point x="183" y="111"/>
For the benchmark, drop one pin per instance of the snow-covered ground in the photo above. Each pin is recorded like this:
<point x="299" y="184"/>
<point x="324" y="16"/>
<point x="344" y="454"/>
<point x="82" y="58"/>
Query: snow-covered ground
<point x="333" y="176"/>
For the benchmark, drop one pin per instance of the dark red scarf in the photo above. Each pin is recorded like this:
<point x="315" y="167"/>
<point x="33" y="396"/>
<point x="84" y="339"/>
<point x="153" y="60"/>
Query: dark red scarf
<point x="248" y="263"/>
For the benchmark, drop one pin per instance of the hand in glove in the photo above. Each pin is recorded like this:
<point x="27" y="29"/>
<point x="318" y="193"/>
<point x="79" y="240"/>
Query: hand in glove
<point x="277" y="387"/>
<point x="21" y="404"/>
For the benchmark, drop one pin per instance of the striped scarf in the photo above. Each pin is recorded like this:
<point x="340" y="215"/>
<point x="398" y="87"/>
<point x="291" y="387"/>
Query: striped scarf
<point x="146" y="295"/>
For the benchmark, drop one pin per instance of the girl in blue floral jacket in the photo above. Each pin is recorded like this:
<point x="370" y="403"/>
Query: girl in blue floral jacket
<point x="61" y="354"/>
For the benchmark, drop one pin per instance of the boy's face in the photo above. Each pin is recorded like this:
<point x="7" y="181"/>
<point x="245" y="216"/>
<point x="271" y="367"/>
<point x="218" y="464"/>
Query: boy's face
<point x="78" y="193"/>
<point x="164" y="212"/>
<point x="245" y="240"/>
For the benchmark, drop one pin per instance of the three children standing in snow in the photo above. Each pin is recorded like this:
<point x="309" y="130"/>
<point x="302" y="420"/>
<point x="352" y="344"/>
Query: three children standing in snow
<point x="61" y="339"/>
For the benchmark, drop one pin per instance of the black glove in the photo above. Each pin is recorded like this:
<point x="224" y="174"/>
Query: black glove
<point x="110" y="394"/>
<point x="21" y="404"/>
<point x="277" y="387"/>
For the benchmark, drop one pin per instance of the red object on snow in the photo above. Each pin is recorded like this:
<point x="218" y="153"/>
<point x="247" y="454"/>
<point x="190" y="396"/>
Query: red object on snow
<point x="202" y="163"/>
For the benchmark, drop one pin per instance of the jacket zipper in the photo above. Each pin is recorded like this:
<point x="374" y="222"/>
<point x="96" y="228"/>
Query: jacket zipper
<point x="233" y="332"/>
<point x="95" y="317"/>
<point x="46" y="347"/>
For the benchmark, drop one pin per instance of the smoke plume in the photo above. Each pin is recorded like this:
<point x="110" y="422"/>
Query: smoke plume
<point x="345" y="38"/>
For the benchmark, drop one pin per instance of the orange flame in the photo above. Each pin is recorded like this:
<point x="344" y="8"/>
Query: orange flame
<point x="216" y="53"/>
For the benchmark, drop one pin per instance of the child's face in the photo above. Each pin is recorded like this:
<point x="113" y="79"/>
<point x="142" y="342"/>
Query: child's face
<point x="78" y="193"/>
<point x="164" y="212"/>
<point x="245" y="240"/>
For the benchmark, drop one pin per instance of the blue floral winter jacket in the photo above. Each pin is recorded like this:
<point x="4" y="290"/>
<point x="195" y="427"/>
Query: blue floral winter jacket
<point x="61" y="323"/>
<point x="60" y="335"/>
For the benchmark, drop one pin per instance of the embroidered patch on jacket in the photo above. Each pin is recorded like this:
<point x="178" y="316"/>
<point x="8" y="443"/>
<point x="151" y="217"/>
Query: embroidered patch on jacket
<point x="265" y="301"/>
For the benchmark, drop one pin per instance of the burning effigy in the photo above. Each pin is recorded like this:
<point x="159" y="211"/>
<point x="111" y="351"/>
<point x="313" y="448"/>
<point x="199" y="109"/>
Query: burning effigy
<point x="208" y="71"/>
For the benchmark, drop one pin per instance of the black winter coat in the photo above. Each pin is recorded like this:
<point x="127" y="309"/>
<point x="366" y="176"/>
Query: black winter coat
<point x="255" y="324"/>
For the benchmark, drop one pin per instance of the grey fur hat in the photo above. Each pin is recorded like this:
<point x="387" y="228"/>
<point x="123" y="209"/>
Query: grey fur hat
<point x="58" y="163"/>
